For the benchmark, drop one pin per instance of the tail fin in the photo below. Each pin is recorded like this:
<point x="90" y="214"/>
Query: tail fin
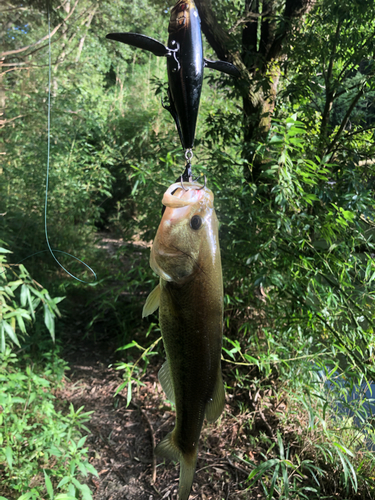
<point x="168" y="449"/>
<point x="187" y="470"/>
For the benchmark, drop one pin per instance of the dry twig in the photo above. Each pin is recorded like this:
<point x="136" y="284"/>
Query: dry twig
<point x="153" y="446"/>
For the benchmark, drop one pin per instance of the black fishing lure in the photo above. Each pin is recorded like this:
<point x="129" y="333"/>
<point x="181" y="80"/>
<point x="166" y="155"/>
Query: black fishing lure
<point x="185" y="63"/>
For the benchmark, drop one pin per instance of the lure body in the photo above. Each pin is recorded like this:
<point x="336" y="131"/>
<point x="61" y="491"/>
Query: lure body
<point x="186" y="78"/>
<point x="185" y="64"/>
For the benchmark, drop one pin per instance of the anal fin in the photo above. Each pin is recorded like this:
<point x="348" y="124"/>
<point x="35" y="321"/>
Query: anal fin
<point x="216" y="404"/>
<point x="168" y="449"/>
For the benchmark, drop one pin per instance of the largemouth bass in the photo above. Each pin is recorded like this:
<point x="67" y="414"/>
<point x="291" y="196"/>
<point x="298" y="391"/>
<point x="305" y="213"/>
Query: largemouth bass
<point x="186" y="256"/>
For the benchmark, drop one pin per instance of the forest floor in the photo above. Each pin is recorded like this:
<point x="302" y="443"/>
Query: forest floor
<point x="122" y="438"/>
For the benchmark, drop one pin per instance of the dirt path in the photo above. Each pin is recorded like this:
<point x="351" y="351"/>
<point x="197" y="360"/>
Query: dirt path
<point x="122" y="438"/>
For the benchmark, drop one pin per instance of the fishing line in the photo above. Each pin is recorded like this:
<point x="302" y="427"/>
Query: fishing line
<point x="47" y="176"/>
<point x="48" y="167"/>
<point x="53" y="251"/>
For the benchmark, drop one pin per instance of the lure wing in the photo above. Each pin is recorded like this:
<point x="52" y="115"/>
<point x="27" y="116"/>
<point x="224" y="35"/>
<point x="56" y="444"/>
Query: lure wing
<point x="141" y="42"/>
<point x="223" y="66"/>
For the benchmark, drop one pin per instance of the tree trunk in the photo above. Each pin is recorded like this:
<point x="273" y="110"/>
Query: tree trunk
<point x="258" y="106"/>
<point x="267" y="27"/>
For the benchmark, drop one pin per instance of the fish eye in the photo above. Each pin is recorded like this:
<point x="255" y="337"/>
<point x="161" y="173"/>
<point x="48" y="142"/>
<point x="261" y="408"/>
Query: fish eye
<point x="196" y="222"/>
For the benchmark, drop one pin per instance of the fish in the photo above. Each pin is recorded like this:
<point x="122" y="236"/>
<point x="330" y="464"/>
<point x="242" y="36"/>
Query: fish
<point x="185" y="64"/>
<point x="186" y="256"/>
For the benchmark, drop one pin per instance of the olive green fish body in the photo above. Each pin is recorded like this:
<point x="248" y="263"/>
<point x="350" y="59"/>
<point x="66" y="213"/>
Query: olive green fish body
<point x="192" y="340"/>
<point x="186" y="255"/>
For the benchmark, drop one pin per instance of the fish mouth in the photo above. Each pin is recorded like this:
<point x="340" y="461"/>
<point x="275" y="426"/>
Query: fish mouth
<point x="187" y="194"/>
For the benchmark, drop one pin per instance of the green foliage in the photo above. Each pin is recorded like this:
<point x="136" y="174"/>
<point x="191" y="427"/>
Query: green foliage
<point x="20" y="298"/>
<point x="132" y="372"/>
<point x="320" y="452"/>
<point x="307" y="242"/>
<point x="41" y="449"/>
<point x="307" y="255"/>
<point x="287" y="476"/>
<point x="94" y="116"/>
<point x="331" y="73"/>
<point x="35" y="438"/>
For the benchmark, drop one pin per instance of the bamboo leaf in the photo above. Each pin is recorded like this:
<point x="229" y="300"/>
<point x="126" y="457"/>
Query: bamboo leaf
<point x="8" y="329"/>
<point x="49" y="486"/>
<point x="49" y="321"/>
<point x="9" y="456"/>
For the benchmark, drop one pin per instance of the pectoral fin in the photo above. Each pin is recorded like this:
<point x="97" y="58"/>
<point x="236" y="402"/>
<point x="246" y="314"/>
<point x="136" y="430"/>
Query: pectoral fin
<point x="216" y="405"/>
<point x="141" y="41"/>
<point x="165" y="380"/>
<point x="152" y="302"/>
<point x="223" y="66"/>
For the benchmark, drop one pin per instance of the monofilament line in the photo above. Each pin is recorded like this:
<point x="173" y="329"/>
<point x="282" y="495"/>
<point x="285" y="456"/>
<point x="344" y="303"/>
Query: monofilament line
<point x="48" y="158"/>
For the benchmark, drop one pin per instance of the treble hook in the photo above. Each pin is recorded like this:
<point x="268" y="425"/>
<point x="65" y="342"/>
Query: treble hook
<point x="183" y="185"/>
<point x="198" y="189"/>
<point x="205" y="182"/>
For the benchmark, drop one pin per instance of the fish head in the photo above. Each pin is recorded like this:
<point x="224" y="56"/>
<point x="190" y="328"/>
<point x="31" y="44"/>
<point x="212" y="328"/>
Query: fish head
<point x="186" y="242"/>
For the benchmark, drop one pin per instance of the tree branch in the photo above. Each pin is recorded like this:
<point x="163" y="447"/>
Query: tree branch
<point x="22" y="49"/>
<point x="18" y="9"/>
<point x="293" y="9"/>
<point x="268" y="28"/>
<point x="329" y="91"/>
<point x="250" y="36"/>
<point x="345" y="121"/>
<point x="216" y="36"/>
<point x="371" y="127"/>
<point x="243" y="20"/>
<point x="333" y="54"/>
<point x="82" y="40"/>
<point x="15" y="69"/>
<point x="3" y="123"/>
<point x="346" y="70"/>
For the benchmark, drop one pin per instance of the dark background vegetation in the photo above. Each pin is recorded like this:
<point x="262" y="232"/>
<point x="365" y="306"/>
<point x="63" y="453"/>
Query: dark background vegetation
<point x="288" y="150"/>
